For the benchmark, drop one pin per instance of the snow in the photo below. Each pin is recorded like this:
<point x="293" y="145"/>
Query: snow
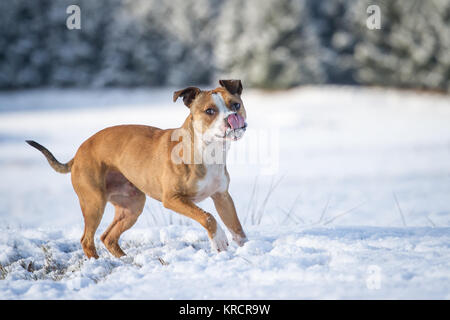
<point x="286" y="263"/>
<point x="343" y="193"/>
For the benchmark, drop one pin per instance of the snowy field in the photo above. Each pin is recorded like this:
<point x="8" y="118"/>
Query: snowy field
<point x="343" y="192"/>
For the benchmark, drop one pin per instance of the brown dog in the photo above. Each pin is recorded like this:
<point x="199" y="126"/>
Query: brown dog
<point x="178" y="167"/>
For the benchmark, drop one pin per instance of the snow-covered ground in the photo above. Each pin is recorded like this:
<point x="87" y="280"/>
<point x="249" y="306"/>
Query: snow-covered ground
<point x="343" y="193"/>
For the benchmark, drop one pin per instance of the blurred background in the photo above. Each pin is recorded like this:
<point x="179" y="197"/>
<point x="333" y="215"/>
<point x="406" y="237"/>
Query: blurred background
<point x="351" y="146"/>
<point x="274" y="44"/>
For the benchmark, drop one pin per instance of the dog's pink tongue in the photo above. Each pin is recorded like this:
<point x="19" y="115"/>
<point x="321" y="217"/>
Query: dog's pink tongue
<point x="236" y="121"/>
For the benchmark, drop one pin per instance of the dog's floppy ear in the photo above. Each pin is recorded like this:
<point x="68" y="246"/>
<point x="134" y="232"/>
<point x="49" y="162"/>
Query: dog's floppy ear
<point x="188" y="94"/>
<point x="233" y="86"/>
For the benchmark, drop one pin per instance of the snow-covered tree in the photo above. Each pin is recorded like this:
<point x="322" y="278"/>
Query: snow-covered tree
<point x="77" y="54"/>
<point x="271" y="44"/>
<point x="337" y="37"/>
<point x="153" y="42"/>
<point x="23" y="58"/>
<point x="412" y="48"/>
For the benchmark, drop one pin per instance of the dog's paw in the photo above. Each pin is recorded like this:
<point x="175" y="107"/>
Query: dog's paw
<point x="240" y="240"/>
<point x="219" y="241"/>
<point x="239" y="237"/>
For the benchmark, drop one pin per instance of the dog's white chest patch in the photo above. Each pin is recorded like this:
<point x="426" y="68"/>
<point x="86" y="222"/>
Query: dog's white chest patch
<point x="214" y="181"/>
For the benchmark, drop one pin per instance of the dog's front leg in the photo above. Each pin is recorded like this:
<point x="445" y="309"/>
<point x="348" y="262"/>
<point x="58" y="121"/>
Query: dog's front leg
<point x="186" y="207"/>
<point x="225" y="207"/>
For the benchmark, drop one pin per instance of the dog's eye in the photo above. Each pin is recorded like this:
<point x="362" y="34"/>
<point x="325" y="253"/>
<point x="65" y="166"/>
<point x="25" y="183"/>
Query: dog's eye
<point x="210" y="111"/>
<point x="236" y="106"/>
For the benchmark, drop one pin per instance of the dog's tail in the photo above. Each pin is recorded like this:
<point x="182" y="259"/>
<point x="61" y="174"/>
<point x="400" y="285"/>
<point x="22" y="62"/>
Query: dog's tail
<point x="55" y="164"/>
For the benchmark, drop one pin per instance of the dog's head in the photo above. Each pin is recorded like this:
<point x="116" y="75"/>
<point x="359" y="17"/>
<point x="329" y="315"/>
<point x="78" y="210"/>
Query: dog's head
<point x="217" y="114"/>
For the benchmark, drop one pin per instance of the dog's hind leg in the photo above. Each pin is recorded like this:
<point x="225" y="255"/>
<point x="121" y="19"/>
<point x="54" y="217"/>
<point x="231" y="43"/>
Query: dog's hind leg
<point x="127" y="211"/>
<point x="128" y="202"/>
<point x="92" y="213"/>
<point x="90" y="190"/>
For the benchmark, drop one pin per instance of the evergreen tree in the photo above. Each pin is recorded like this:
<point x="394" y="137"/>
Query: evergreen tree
<point x="412" y="48"/>
<point x="269" y="44"/>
